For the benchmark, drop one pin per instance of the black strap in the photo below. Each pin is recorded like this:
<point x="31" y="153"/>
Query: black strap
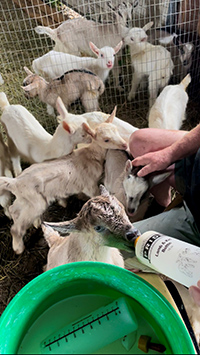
<point x="179" y="303"/>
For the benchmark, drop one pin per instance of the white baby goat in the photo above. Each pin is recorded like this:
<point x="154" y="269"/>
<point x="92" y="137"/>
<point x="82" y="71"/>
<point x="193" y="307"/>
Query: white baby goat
<point x="43" y="183"/>
<point x="73" y="85"/>
<point x="95" y="118"/>
<point x="29" y="140"/>
<point x="147" y="60"/>
<point x="73" y="36"/>
<point x="54" y="64"/>
<point x="99" y="228"/>
<point x="169" y="109"/>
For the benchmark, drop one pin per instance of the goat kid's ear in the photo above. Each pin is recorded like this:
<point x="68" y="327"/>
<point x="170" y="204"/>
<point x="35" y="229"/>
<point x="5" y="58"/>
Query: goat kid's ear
<point x="157" y="179"/>
<point x="166" y="40"/>
<point x="63" y="228"/>
<point x="112" y="116"/>
<point x="28" y="71"/>
<point x="88" y="130"/>
<point x="147" y="26"/>
<point x="128" y="166"/>
<point x="118" y="47"/>
<point x="190" y="46"/>
<point x="60" y="107"/>
<point x="94" y="48"/>
<point x="67" y="127"/>
<point x="29" y="87"/>
<point x="103" y="191"/>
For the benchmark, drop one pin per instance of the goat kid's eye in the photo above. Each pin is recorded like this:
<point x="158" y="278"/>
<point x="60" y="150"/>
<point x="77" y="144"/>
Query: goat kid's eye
<point x="132" y="39"/>
<point x="106" y="140"/>
<point x="101" y="55"/>
<point x="99" y="229"/>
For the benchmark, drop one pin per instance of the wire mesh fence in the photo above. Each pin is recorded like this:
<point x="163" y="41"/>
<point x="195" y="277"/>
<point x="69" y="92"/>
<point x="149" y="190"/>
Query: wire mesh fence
<point x="21" y="44"/>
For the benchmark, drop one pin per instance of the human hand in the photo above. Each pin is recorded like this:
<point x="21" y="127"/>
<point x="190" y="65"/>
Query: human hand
<point x="195" y="293"/>
<point x="153" y="161"/>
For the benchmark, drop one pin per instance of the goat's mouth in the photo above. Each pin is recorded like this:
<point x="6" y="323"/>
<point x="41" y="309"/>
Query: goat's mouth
<point x="131" y="213"/>
<point x="109" y="66"/>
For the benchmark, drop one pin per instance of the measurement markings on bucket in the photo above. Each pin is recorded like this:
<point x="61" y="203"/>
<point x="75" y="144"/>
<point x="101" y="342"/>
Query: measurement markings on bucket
<point x="115" y="315"/>
<point x="89" y="323"/>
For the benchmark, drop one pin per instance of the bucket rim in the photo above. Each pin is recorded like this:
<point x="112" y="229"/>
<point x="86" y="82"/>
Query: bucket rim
<point x="17" y="315"/>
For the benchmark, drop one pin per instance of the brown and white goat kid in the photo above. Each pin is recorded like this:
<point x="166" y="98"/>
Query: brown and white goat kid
<point x="71" y="86"/>
<point x="100" y="227"/>
<point x="43" y="183"/>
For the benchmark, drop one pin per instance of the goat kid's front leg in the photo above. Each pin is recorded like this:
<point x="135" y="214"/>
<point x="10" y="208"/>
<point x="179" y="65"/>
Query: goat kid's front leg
<point x="154" y="86"/>
<point x="116" y="71"/>
<point x="136" y="78"/>
<point x="90" y="102"/>
<point x="14" y="157"/>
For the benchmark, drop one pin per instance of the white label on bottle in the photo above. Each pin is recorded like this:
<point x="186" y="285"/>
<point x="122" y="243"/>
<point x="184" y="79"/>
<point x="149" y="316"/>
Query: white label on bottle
<point x="174" y="258"/>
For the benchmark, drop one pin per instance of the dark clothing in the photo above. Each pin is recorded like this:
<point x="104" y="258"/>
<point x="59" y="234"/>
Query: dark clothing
<point x="187" y="178"/>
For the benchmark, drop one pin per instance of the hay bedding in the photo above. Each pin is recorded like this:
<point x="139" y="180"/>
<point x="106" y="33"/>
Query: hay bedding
<point x="15" y="52"/>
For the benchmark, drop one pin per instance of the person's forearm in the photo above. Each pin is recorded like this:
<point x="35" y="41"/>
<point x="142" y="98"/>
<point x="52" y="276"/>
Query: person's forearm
<point x="186" y="146"/>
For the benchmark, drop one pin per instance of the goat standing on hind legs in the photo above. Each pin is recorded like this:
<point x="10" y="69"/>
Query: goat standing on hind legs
<point x="43" y="183"/>
<point x="100" y="227"/>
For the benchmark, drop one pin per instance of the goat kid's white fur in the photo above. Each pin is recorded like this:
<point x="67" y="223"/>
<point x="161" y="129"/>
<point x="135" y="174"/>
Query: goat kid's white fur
<point x="95" y="118"/>
<point x="148" y="60"/>
<point x="100" y="227"/>
<point x="73" y="36"/>
<point x="27" y="138"/>
<point x="43" y="183"/>
<point x="73" y="85"/>
<point x="53" y="64"/>
<point x="169" y="109"/>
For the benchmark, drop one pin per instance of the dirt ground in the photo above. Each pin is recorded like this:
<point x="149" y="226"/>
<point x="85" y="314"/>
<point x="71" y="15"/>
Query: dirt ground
<point x="17" y="271"/>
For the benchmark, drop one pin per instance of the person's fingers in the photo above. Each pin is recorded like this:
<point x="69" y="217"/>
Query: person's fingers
<point x="144" y="171"/>
<point x="195" y="293"/>
<point x="136" y="161"/>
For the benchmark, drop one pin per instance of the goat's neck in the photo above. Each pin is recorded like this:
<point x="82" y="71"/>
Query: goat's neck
<point x="89" y="246"/>
<point x="140" y="48"/>
<point x="95" y="151"/>
<point x="43" y="90"/>
<point x="60" y="143"/>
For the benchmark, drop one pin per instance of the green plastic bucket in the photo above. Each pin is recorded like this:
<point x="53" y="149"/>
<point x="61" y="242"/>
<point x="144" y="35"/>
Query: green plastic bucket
<point x="88" y="307"/>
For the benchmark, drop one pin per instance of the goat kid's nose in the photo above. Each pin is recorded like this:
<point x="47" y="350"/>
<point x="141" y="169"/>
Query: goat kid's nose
<point x="132" y="235"/>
